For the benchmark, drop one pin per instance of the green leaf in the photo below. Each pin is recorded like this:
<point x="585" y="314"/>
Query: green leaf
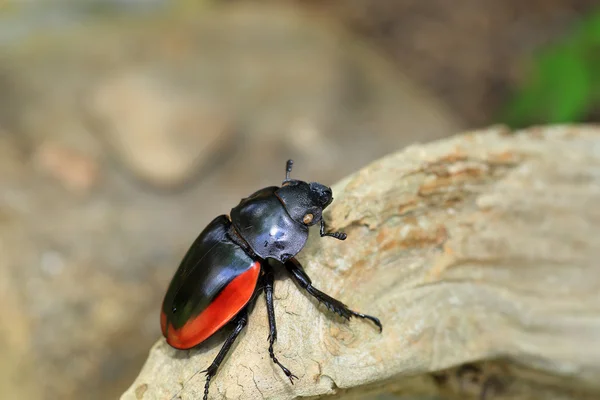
<point x="565" y="83"/>
<point x="566" y="86"/>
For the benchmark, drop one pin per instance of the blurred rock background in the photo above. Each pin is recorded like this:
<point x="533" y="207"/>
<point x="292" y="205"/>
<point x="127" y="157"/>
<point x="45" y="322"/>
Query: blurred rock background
<point x="126" y="126"/>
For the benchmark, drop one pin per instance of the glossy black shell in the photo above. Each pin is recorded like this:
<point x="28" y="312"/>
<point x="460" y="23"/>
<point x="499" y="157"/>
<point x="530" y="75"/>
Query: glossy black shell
<point x="263" y="222"/>
<point x="210" y="264"/>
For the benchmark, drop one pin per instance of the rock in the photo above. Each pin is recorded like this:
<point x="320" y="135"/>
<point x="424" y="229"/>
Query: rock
<point x="74" y="170"/>
<point x="478" y="253"/>
<point x="163" y="135"/>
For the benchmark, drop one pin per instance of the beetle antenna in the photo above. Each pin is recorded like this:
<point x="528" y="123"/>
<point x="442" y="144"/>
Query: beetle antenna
<point x="288" y="168"/>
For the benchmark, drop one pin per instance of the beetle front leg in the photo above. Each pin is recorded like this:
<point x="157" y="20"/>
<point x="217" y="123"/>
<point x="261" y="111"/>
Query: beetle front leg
<point x="302" y="279"/>
<point x="269" y="280"/>
<point x="337" y="235"/>
<point x="241" y="321"/>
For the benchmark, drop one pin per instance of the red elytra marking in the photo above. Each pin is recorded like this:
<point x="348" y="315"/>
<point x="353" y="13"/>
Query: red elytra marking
<point x="224" y="307"/>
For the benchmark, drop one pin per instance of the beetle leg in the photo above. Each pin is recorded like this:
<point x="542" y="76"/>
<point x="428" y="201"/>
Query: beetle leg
<point x="269" y="280"/>
<point x="302" y="279"/>
<point x="241" y="320"/>
<point x="337" y="235"/>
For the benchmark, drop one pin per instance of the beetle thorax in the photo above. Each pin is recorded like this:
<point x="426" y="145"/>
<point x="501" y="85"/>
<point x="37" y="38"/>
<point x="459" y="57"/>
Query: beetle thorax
<point x="266" y="226"/>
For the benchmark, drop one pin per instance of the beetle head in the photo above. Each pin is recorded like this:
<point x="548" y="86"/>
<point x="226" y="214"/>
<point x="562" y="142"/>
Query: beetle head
<point x="304" y="201"/>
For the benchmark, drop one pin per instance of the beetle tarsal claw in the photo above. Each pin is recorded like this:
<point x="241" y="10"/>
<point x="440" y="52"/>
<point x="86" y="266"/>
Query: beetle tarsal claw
<point x="292" y="377"/>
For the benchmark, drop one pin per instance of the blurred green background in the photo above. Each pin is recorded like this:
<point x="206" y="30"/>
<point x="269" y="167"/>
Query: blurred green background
<point x="126" y="126"/>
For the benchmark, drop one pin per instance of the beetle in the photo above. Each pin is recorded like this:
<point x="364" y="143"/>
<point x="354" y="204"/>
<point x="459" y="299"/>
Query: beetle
<point x="228" y="265"/>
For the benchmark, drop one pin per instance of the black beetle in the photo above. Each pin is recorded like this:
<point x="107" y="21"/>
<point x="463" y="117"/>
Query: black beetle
<point x="227" y="266"/>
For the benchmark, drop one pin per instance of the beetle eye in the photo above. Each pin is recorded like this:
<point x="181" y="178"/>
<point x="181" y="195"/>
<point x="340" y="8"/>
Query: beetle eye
<point x="308" y="218"/>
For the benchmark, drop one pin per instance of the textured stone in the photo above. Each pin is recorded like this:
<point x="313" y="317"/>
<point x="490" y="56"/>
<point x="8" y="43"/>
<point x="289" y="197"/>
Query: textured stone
<point x="480" y="248"/>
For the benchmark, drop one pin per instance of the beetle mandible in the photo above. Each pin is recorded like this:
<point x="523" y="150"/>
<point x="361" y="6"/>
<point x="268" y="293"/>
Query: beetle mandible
<point x="227" y="267"/>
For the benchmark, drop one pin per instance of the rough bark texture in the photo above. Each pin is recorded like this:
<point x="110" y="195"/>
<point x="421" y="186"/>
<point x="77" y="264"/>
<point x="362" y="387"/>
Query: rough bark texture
<point x="480" y="250"/>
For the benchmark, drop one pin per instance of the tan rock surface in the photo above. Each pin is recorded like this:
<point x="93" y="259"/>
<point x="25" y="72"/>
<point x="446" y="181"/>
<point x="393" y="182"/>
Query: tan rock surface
<point x="481" y="247"/>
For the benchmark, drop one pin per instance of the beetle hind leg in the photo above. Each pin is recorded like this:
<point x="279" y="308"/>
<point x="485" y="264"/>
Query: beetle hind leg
<point x="336" y="306"/>
<point x="241" y="322"/>
<point x="269" y="282"/>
